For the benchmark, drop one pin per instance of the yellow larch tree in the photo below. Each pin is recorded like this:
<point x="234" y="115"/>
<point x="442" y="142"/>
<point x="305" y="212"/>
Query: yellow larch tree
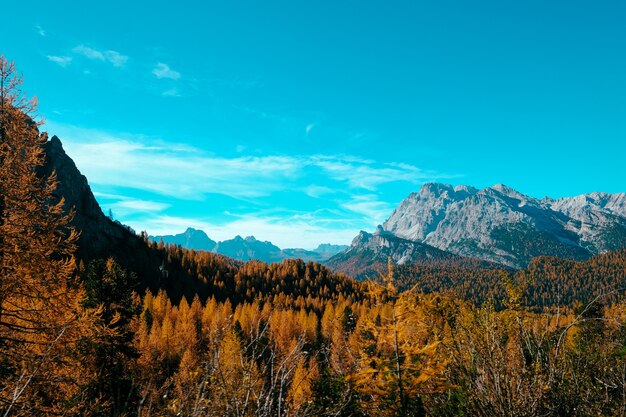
<point x="398" y="360"/>
<point x="41" y="318"/>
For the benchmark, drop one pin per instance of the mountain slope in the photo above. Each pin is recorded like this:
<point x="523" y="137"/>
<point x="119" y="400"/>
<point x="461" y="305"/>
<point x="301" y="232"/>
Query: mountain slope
<point x="369" y="253"/>
<point x="502" y="225"/>
<point x="101" y="237"/>
<point x="177" y="271"/>
<point x="98" y="233"/>
<point x="601" y="217"/>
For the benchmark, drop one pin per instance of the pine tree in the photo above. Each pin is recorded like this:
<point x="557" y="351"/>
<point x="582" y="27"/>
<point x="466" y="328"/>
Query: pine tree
<point x="109" y="355"/>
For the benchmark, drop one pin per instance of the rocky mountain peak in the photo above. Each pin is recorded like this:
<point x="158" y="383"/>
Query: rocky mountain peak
<point x="98" y="232"/>
<point x="501" y="224"/>
<point x="504" y="189"/>
<point x="329" y="249"/>
<point x="369" y="252"/>
<point x="436" y="189"/>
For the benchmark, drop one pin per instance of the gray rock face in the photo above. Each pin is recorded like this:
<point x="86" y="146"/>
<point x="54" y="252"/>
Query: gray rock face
<point x="578" y="207"/>
<point x="97" y="232"/>
<point x="401" y="251"/>
<point x="370" y="252"/>
<point x="600" y="219"/>
<point x="502" y="225"/>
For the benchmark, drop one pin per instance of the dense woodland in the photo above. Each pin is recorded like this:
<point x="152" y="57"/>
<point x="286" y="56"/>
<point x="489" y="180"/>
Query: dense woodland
<point x="209" y="336"/>
<point x="547" y="282"/>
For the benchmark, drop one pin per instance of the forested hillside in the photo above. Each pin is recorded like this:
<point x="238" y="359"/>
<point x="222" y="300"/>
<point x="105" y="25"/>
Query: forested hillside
<point x="109" y="324"/>
<point x="547" y="281"/>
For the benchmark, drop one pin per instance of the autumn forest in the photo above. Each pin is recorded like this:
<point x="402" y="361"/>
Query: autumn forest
<point x="150" y="329"/>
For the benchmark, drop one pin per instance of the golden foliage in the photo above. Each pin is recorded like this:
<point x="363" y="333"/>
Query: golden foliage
<point x="41" y="319"/>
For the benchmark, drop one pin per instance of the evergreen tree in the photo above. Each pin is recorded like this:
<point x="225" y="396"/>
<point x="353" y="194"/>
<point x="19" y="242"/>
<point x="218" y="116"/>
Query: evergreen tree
<point x="109" y="354"/>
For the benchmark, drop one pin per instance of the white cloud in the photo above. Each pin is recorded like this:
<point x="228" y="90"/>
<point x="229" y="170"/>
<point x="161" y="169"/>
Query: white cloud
<point x="368" y="175"/>
<point x="173" y="170"/>
<point x="172" y="92"/>
<point x="316" y="191"/>
<point x="127" y="207"/>
<point x="164" y="71"/>
<point x="88" y="52"/>
<point x="40" y="30"/>
<point x="112" y="57"/>
<point x="62" y="61"/>
<point x="370" y="206"/>
<point x="308" y="128"/>
<point x="115" y="58"/>
<point x="115" y="163"/>
<point x="134" y="161"/>
<point x="141" y="205"/>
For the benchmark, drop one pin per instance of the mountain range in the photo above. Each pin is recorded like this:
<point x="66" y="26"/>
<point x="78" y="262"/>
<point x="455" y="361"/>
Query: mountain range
<point x="497" y="224"/>
<point x="245" y="249"/>
<point x="437" y="224"/>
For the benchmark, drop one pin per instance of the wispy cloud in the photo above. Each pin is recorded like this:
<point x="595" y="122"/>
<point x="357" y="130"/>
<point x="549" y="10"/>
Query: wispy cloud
<point x="172" y="92"/>
<point x="369" y="206"/>
<point x="368" y="175"/>
<point x="88" y="52"/>
<point x="40" y="30"/>
<point x="164" y="71"/>
<point x="112" y="57"/>
<point x="173" y="170"/>
<point x="115" y="58"/>
<point x="134" y="205"/>
<point x="62" y="61"/>
<point x="122" y="167"/>
<point x="316" y="191"/>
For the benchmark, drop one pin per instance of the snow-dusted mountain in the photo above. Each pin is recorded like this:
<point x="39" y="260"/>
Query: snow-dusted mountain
<point x="502" y="225"/>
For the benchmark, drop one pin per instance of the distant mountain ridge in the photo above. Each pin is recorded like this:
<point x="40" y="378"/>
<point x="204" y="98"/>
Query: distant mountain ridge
<point x="439" y="222"/>
<point x="502" y="225"/>
<point x="190" y="239"/>
<point x="245" y="249"/>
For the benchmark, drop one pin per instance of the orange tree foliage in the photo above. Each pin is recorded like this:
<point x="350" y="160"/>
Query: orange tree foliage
<point x="386" y="353"/>
<point x="290" y="283"/>
<point x="41" y="318"/>
<point x="399" y="357"/>
<point x="394" y="354"/>
<point x="217" y="337"/>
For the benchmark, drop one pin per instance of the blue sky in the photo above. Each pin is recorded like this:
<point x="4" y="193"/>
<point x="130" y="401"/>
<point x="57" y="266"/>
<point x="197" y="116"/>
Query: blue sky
<point x="302" y="122"/>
